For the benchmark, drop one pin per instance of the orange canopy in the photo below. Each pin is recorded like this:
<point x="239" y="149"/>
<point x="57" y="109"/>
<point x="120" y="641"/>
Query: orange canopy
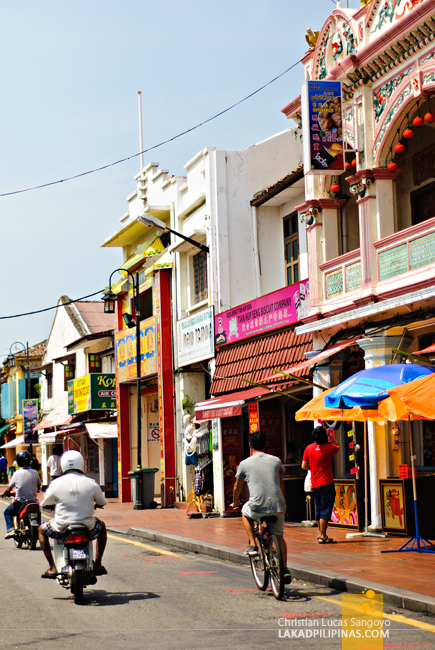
<point x="316" y="409"/>
<point x="417" y="398"/>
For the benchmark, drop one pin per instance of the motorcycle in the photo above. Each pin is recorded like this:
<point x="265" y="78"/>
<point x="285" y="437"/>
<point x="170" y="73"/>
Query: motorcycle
<point x="26" y="524"/>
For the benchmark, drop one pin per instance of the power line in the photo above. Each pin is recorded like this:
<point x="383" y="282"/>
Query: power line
<point x="40" y="311"/>
<point x="175" y="137"/>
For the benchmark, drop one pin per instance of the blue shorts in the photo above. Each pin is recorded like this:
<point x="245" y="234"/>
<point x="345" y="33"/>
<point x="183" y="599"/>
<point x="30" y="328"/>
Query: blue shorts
<point x="324" y="497"/>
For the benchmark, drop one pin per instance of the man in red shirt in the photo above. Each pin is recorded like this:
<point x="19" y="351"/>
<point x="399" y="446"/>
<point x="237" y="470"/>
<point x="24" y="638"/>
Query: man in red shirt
<point x="318" y="458"/>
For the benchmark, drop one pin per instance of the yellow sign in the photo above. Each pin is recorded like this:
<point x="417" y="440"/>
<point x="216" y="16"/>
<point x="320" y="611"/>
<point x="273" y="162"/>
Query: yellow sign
<point x="82" y="394"/>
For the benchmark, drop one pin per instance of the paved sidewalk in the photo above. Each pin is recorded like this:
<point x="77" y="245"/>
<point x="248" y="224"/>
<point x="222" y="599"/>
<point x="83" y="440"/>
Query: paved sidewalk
<point x="405" y="579"/>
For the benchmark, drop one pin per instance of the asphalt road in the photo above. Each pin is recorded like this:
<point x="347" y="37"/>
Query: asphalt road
<point x="174" y="600"/>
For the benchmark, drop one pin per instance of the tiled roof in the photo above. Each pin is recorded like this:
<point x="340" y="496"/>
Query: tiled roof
<point x="36" y="350"/>
<point x="258" y="358"/>
<point x="92" y="312"/>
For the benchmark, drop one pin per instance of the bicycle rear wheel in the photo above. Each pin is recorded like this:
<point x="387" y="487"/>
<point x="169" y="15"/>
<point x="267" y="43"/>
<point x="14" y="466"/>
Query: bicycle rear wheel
<point x="276" y="567"/>
<point x="258" y="567"/>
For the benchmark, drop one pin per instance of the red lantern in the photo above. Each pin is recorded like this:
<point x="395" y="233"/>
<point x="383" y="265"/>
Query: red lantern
<point x="392" y="166"/>
<point x="399" y="148"/>
<point x="353" y="163"/>
<point x="418" y="121"/>
<point x="429" y="118"/>
<point x="347" y="166"/>
<point x="335" y="188"/>
<point x="408" y="133"/>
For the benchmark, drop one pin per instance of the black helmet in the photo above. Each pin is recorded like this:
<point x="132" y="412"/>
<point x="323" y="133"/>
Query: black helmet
<point x="23" y="458"/>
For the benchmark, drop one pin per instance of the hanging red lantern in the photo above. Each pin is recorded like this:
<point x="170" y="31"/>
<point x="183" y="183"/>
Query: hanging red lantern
<point x="353" y="163"/>
<point x="399" y="148"/>
<point x="392" y="166"/>
<point x="408" y="133"/>
<point x="418" y="121"/>
<point x="429" y="118"/>
<point x="335" y="188"/>
<point x="347" y="166"/>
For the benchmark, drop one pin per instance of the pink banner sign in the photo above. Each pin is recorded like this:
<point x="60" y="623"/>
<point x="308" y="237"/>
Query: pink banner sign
<point x="276" y="309"/>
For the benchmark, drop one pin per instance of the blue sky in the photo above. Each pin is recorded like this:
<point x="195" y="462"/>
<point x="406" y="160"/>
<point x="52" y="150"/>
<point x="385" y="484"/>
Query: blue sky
<point x="69" y="79"/>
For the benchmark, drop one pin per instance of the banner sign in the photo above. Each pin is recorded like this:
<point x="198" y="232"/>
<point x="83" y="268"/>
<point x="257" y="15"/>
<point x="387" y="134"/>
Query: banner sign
<point x="196" y="337"/>
<point x="322" y="127"/>
<point x="254" y="418"/>
<point x="91" y="392"/>
<point x="125" y="342"/>
<point x="30" y="420"/>
<point x="276" y="309"/>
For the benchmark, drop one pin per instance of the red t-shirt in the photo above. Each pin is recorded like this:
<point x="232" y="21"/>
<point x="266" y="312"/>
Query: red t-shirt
<point x="319" y="458"/>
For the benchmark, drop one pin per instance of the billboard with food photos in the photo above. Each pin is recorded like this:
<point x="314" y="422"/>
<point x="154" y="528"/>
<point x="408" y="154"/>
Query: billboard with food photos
<point x="322" y="126"/>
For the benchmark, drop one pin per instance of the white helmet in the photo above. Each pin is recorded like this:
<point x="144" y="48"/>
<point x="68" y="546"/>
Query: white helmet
<point x="72" y="460"/>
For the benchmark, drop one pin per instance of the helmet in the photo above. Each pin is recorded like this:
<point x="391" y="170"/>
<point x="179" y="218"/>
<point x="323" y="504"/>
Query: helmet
<point x="72" y="460"/>
<point x="23" y="458"/>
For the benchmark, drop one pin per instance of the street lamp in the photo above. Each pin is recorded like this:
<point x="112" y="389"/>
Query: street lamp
<point x="109" y="308"/>
<point x="148" y="220"/>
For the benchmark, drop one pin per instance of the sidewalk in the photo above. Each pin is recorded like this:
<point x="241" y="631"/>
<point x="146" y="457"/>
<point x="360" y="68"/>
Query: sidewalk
<point x="405" y="579"/>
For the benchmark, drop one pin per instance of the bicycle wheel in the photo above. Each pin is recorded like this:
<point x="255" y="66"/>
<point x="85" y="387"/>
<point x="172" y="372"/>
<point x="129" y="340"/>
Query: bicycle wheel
<point x="258" y="567"/>
<point x="276" y="567"/>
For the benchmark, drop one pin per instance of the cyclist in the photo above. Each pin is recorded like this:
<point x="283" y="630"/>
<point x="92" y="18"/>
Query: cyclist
<point x="263" y="474"/>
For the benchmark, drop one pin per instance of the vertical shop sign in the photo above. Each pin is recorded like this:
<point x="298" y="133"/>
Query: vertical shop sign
<point x="153" y="432"/>
<point x="30" y="420"/>
<point x="214" y="435"/>
<point x="157" y="307"/>
<point x="254" y="418"/>
<point x="322" y="127"/>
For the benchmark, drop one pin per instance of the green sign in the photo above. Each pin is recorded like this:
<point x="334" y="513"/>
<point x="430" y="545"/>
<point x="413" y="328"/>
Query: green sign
<point x="91" y="392"/>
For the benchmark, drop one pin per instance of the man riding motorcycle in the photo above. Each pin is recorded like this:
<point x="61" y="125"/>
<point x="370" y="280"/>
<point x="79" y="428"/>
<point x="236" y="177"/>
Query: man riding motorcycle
<point x="74" y="496"/>
<point x="26" y="482"/>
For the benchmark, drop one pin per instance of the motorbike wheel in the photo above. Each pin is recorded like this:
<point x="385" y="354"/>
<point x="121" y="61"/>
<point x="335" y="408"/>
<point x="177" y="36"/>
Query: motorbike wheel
<point x="18" y="542"/>
<point x="32" y="538"/>
<point x="77" y="586"/>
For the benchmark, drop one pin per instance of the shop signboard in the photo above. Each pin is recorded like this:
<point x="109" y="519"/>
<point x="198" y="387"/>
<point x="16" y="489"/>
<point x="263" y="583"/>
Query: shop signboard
<point x="95" y="391"/>
<point x="254" y="417"/>
<point x="30" y="420"/>
<point x="276" y="309"/>
<point x="322" y="127"/>
<point x="196" y="337"/>
<point x="125" y="345"/>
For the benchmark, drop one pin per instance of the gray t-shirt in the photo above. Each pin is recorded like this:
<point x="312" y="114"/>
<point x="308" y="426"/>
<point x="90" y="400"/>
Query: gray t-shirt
<point x="261" y="472"/>
<point x="26" y="482"/>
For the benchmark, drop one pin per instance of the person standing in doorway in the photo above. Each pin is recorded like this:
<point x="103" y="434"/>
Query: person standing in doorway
<point x="3" y="469"/>
<point x="53" y="464"/>
<point x="318" y="458"/>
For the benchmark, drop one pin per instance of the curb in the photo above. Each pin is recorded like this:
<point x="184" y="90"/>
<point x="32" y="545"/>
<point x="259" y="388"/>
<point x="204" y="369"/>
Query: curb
<point x="400" y="598"/>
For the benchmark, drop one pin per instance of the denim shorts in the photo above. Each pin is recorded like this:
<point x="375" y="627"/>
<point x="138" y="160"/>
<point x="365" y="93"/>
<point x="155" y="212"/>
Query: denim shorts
<point x="275" y="527"/>
<point x="48" y="529"/>
<point x="324" y="498"/>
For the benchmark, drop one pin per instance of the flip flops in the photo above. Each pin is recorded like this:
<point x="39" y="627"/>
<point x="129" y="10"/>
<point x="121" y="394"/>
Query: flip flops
<point x="326" y="540"/>
<point x="49" y="576"/>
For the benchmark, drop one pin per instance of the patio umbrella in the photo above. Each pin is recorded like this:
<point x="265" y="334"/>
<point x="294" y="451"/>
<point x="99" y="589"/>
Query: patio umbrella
<point x="408" y="402"/>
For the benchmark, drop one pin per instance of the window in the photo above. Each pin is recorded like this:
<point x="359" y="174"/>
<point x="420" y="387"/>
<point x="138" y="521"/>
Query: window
<point x="423" y="204"/>
<point x="94" y="363"/>
<point x="200" y="277"/>
<point x="146" y="305"/>
<point x="69" y="373"/>
<point x="49" y="383"/>
<point x="291" y="248"/>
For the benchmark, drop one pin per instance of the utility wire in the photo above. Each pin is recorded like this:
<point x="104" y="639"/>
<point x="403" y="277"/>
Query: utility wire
<point x="39" y="311"/>
<point x="175" y="137"/>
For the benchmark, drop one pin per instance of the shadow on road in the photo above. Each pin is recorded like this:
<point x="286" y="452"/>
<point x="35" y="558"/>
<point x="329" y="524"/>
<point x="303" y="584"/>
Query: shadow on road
<point x="100" y="598"/>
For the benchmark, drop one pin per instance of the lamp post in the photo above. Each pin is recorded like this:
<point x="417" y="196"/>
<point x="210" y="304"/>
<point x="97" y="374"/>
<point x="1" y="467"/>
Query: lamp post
<point x="11" y="364"/>
<point x="109" y="308"/>
<point x="149" y="221"/>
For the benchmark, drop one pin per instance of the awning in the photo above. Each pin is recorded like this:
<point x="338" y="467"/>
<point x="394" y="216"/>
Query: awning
<point x="102" y="429"/>
<point x="428" y="350"/>
<point x="162" y="262"/>
<point x="6" y="426"/>
<point x="47" y="438"/>
<point x="87" y="340"/>
<point x="14" y="443"/>
<point x="316" y="359"/>
<point x="227" y="406"/>
<point x="57" y="417"/>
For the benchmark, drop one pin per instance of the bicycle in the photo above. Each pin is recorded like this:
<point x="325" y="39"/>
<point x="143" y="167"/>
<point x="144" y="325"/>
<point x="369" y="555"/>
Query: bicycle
<point x="269" y="562"/>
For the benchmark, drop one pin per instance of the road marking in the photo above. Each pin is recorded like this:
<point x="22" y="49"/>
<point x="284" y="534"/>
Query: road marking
<point x="200" y="573"/>
<point x="147" y="546"/>
<point x="393" y="617"/>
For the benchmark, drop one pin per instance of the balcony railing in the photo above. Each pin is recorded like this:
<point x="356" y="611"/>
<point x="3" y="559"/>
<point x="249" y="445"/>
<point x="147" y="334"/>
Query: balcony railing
<point x="342" y="274"/>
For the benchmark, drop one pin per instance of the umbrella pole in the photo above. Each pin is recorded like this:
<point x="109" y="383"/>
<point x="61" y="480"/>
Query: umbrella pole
<point x="416" y="543"/>
<point x="366" y="532"/>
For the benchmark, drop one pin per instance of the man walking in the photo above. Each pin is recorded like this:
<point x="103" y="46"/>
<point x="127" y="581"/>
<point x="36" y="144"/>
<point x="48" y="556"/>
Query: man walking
<point x="53" y="464"/>
<point x="264" y="475"/>
<point x="318" y="458"/>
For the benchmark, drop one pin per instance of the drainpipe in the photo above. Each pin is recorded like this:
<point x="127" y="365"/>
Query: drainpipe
<point x="256" y="252"/>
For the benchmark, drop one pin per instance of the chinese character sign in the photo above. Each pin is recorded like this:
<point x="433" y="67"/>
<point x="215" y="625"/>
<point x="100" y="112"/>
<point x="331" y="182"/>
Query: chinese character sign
<point x="322" y="127"/>
<point x="30" y="420"/>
